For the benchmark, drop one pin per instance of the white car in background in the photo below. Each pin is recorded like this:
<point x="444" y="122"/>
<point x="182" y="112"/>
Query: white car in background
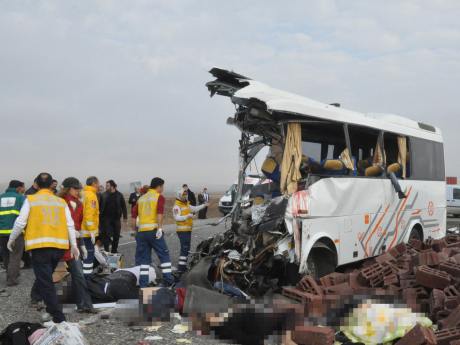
<point x="227" y="200"/>
<point x="453" y="200"/>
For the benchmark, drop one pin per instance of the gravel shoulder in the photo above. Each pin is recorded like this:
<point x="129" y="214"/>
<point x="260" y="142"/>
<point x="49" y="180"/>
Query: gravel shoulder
<point x="111" y="331"/>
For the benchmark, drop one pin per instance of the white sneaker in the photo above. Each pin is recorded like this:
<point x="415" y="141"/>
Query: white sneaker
<point x="48" y="324"/>
<point x="46" y="317"/>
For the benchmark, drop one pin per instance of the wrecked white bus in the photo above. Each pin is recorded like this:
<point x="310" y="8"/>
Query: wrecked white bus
<point x="354" y="185"/>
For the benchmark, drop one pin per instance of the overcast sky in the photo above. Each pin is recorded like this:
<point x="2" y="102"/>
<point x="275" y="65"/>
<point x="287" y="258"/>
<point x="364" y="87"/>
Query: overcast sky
<point x="116" y="88"/>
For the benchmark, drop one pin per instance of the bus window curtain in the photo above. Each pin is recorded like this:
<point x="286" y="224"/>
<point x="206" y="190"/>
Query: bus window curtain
<point x="346" y="159"/>
<point x="379" y="158"/>
<point x="402" y="154"/>
<point x="292" y="158"/>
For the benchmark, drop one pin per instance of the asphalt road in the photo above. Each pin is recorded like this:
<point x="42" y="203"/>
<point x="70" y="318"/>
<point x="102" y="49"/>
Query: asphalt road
<point x="110" y="331"/>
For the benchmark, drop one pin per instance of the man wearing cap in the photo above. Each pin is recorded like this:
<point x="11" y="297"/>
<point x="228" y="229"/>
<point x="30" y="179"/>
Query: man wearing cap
<point x="10" y="204"/>
<point x="90" y="223"/>
<point x="150" y="233"/>
<point x="183" y="214"/>
<point x="48" y="230"/>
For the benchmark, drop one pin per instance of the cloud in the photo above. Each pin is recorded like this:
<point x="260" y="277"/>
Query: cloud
<point x="117" y="88"/>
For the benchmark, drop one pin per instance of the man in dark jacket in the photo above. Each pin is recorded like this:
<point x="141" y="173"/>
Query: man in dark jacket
<point x="191" y="195"/>
<point x="33" y="189"/>
<point x="133" y="197"/>
<point x="203" y="198"/>
<point x="112" y="208"/>
<point x="10" y="204"/>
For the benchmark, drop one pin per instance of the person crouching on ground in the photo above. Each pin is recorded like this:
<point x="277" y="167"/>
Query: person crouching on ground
<point x="183" y="214"/>
<point x="48" y="229"/>
<point x="71" y="194"/>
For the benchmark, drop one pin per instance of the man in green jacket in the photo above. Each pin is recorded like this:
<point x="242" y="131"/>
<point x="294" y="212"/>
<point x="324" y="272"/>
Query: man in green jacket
<point x="10" y="204"/>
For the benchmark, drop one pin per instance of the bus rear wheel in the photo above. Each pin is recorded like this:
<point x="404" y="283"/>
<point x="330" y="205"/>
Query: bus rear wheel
<point x="320" y="262"/>
<point x="416" y="234"/>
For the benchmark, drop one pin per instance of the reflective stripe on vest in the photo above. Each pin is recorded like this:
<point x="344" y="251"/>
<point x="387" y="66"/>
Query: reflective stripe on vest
<point x="6" y="232"/>
<point x="47" y="223"/>
<point x="184" y="225"/>
<point x="146" y="226"/>
<point x="5" y="213"/>
<point x="87" y="232"/>
<point x="42" y="240"/>
<point x="147" y="210"/>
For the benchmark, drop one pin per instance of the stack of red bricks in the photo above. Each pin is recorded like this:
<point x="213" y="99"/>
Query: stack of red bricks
<point x="426" y="276"/>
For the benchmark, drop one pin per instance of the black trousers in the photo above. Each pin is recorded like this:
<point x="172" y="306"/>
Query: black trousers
<point x="44" y="262"/>
<point x="202" y="213"/>
<point x="110" y="234"/>
<point x="12" y="261"/>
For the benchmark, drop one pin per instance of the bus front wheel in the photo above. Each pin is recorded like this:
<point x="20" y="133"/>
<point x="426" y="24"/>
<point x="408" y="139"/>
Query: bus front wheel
<point x="320" y="262"/>
<point x="416" y="233"/>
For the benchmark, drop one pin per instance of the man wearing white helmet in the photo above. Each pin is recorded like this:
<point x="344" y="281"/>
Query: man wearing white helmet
<point x="183" y="214"/>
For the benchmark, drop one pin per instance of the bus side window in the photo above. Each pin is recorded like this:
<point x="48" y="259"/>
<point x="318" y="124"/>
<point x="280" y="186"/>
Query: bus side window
<point x="363" y="142"/>
<point x="396" y="149"/>
<point x="426" y="160"/>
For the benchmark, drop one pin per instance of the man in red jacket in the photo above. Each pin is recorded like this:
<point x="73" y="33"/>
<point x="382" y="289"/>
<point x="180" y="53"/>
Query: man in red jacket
<point x="71" y="193"/>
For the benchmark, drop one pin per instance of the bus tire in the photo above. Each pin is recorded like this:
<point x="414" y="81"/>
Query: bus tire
<point x="416" y="233"/>
<point x="320" y="262"/>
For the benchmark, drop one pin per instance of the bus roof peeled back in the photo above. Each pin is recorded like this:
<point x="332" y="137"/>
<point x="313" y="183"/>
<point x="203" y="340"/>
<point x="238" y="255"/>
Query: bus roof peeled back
<point x="285" y="104"/>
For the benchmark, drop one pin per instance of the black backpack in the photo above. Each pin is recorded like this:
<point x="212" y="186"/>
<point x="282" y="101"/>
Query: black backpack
<point x="18" y="333"/>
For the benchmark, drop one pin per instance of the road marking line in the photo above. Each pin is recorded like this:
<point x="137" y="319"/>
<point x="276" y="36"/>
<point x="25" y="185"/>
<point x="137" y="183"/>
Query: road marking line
<point x="126" y="243"/>
<point x="168" y="234"/>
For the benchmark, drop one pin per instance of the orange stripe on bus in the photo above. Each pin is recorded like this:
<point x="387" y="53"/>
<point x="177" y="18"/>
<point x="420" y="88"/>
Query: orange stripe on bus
<point x="375" y="229"/>
<point x="398" y="218"/>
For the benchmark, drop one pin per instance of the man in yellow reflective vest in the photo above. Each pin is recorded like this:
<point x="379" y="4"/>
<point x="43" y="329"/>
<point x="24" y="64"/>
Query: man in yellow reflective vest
<point x="48" y="231"/>
<point x="150" y="233"/>
<point x="183" y="214"/>
<point x="90" y="224"/>
<point x="10" y="204"/>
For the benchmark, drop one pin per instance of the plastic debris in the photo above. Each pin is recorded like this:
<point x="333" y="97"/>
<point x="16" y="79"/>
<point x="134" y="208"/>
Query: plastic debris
<point x="63" y="333"/>
<point x="152" y="328"/>
<point x="373" y="323"/>
<point x="183" y="341"/>
<point x="180" y="328"/>
<point x="153" y="338"/>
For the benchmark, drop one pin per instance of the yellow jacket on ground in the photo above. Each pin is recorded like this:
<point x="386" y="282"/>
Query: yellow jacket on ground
<point x="46" y="224"/>
<point x="90" y="223"/>
<point x="148" y="211"/>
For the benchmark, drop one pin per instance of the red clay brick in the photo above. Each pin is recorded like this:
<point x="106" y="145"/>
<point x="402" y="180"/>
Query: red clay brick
<point x="418" y="336"/>
<point x="431" y="278"/>
<point x="452" y="268"/>
<point x="313" y="335"/>
<point x="445" y="336"/>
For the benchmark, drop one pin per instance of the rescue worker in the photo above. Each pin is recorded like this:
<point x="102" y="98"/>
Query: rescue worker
<point x="183" y="213"/>
<point x="150" y="233"/>
<point x="49" y="229"/>
<point x="10" y="204"/>
<point x="71" y="194"/>
<point x="90" y="223"/>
